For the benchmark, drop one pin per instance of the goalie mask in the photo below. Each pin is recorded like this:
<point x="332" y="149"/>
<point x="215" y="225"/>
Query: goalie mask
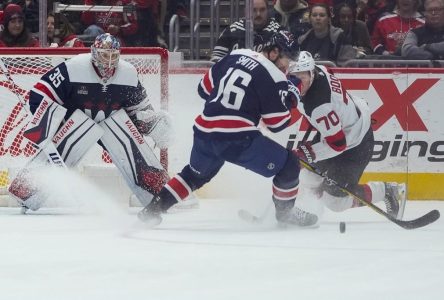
<point x="105" y="53"/>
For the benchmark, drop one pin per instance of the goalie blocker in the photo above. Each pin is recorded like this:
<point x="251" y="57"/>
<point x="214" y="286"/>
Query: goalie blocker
<point x="130" y="153"/>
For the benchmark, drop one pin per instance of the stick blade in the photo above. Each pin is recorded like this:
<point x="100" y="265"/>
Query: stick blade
<point x="422" y="221"/>
<point x="248" y="217"/>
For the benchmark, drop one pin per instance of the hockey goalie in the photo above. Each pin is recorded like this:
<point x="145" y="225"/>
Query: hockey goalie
<point x="88" y="99"/>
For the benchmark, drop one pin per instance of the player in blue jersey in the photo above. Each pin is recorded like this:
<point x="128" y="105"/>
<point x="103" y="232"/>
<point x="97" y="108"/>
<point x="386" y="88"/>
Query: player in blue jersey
<point x="240" y="90"/>
<point x="90" y="98"/>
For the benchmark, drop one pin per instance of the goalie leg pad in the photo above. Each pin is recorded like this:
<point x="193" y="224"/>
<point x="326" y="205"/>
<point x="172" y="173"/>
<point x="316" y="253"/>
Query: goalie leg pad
<point x="157" y="125"/>
<point x="24" y="188"/>
<point x="44" y="123"/>
<point x="133" y="157"/>
<point x="76" y="137"/>
<point x="73" y="140"/>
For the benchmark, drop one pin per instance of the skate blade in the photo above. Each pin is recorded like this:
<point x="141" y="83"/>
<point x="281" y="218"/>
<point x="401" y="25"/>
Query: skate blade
<point x="248" y="217"/>
<point x="149" y="221"/>
<point x="282" y="225"/>
<point x="402" y="201"/>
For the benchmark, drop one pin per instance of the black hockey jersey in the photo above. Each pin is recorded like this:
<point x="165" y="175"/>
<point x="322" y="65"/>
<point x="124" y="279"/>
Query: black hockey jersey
<point x="74" y="84"/>
<point x="241" y="90"/>
<point x="233" y="37"/>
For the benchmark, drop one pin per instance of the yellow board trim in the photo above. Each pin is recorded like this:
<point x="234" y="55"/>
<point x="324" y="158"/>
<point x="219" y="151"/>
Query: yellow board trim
<point x="420" y="186"/>
<point x="4" y="181"/>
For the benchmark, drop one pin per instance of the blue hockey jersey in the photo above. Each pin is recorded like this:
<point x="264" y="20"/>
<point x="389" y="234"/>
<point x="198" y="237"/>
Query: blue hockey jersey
<point x="75" y="84"/>
<point x="241" y="90"/>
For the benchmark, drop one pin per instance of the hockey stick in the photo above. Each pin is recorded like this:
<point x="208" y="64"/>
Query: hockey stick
<point x="422" y="221"/>
<point x="251" y="218"/>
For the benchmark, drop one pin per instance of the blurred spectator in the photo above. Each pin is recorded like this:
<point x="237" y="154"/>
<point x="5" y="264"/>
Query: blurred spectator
<point x="148" y="33"/>
<point x="121" y="25"/>
<point x="293" y="15"/>
<point x="233" y="37"/>
<point x="391" y="28"/>
<point x="427" y="42"/>
<point x="324" y="41"/>
<point x="1" y="20"/>
<point x="150" y="5"/>
<point x="66" y="36"/>
<point x="31" y="11"/>
<point x="329" y="3"/>
<point x="369" y="11"/>
<point x="74" y="17"/>
<point x="355" y="31"/>
<point x="177" y="7"/>
<point x="15" y="33"/>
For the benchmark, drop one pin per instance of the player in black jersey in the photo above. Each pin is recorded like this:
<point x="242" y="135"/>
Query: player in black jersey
<point x="343" y="145"/>
<point x="239" y="91"/>
<point x="233" y="37"/>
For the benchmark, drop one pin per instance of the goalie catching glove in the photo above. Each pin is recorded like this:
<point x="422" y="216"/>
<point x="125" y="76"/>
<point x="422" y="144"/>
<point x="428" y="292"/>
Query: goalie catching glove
<point x="157" y="125"/>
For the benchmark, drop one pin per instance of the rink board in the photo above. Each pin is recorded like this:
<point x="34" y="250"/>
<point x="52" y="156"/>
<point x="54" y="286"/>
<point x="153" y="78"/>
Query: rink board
<point x="406" y="105"/>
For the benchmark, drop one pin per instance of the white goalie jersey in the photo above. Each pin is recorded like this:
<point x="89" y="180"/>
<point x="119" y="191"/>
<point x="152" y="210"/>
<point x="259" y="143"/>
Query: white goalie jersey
<point x="74" y="84"/>
<point x="341" y="120"/>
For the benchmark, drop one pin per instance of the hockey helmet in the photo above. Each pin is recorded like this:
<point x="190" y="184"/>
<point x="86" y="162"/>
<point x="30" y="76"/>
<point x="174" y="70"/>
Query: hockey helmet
<point x="285" y="42"/>
<point x="304" y="62"/>
<point x="105" y="54"/>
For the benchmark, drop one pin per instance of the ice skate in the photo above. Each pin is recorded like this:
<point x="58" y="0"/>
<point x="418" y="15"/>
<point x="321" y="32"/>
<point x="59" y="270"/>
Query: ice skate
<point x="151" y="214"/>
<point x="296" y="216"/>
<point x="394" y="196"/>
<point x="190" y="203"/>
<point x="23" y="209"/>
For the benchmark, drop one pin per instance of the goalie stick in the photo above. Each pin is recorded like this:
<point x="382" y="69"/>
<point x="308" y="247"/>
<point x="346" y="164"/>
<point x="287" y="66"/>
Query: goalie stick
<point x="422" y="221"/>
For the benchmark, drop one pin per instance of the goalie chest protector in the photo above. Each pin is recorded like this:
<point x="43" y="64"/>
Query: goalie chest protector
<point x="76" y="85"/>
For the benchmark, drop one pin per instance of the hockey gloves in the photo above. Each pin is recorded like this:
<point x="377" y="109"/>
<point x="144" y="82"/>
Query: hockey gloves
<point x="306" y="153"/>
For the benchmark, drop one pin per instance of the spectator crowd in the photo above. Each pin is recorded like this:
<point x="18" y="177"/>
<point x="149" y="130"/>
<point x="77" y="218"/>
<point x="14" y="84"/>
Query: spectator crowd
<point x="333" y="30"/>
<point x="340" y="30"/>
<point x="137" y="25"/>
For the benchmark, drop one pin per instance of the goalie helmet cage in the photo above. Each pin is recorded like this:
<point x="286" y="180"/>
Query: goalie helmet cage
<point x="25" y="66"/>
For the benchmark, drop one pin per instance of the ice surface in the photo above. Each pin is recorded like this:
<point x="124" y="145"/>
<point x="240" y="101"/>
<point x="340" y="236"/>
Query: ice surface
<point x="208" y="253"/>
<point x="96" y="249"/>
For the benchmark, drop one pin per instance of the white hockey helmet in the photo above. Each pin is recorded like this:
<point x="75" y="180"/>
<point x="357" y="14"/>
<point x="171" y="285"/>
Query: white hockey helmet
<point x="304" y="62"/>
<point x="105" y="54"/>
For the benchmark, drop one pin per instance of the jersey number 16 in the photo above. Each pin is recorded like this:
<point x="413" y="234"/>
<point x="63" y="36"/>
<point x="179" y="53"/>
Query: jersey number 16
<point x="231" y="91"/>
